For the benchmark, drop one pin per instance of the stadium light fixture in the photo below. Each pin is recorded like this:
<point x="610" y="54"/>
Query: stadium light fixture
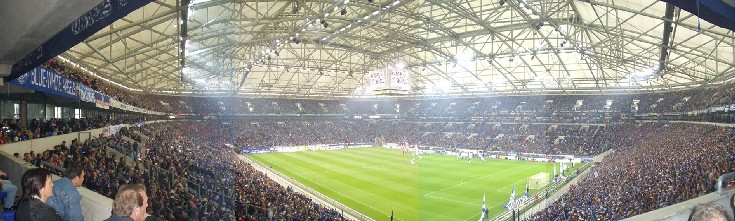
<point x="400" y="65"/>
<point x="466" y="55"/>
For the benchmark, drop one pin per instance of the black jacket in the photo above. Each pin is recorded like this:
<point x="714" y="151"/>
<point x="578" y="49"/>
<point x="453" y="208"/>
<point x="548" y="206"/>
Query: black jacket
<point x="119" y="218"/>
<point x="35" y="210"/>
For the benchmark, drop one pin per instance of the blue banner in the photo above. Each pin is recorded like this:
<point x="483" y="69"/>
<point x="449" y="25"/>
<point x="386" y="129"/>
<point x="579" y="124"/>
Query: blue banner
<point x="86" y="94"/>
<point x="101" y="16"/>
<point x="47" y="81"/>
<point x="106" y="101"/>
<point x="98" y="97"/>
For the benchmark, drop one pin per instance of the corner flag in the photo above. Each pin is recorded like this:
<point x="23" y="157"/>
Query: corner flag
<point x="484" y="210"/>
<point x="511" y="202"/>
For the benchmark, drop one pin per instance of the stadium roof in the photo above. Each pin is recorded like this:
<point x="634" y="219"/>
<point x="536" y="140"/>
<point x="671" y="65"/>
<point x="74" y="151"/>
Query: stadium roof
<point x="326" y="48"/>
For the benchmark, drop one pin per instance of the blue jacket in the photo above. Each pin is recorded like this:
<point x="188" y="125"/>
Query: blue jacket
<point x="66" y="200"/>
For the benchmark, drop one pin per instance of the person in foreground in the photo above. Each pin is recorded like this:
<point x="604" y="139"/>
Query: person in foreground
<point x="709" y="212"/>
<point x="66" y="199"/>
<point x="130" y="204"/>
<point x="37" y="188"/>
<point x="8" y="187"/>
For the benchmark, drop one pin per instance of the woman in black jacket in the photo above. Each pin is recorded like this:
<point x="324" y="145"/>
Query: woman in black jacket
<point x="37" y="188"/>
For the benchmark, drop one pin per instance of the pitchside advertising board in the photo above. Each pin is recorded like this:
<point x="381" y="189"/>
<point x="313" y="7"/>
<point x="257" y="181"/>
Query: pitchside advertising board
<point x="390" y="80"/>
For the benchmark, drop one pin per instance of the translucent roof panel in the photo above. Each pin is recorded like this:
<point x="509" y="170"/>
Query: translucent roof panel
<point x="475" y="47"/>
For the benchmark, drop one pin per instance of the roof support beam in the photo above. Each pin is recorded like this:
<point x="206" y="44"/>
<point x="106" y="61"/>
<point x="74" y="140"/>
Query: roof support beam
<point x="666" y="38"/>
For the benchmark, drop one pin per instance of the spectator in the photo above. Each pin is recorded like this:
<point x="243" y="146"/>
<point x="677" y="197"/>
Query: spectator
<point x="130" y="203"/>
<point x="37" y="188"/>
<point x="8" y="187"/>
<point x="709" y="212"/>
<point x="66" y="199"/>
<point x="657" y="172"/>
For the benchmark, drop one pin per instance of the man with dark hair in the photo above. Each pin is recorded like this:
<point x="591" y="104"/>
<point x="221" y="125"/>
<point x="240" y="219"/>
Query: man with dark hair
<point x="709" y="212"/>
<point x="130" y="204"/>
<point x="66" y="199"/>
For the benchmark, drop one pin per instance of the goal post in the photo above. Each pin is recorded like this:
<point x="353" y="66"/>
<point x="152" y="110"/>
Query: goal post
<point x="378" y="142"/>
<point x="538" y="181"/>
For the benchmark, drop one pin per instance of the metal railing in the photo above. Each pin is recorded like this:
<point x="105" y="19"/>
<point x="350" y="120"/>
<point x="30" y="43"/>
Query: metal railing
<point x="721" y="180"/>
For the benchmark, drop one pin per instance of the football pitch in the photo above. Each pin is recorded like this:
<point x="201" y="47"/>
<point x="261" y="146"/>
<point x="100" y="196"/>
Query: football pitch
<point x="376" y="181"/>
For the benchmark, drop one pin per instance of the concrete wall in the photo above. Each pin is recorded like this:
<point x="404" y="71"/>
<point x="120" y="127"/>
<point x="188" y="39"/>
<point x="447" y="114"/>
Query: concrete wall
<point x="681" y="211"/>
<point x="602" y="156"/>
<point x="116" y="155"/>
<point x="46" y="143"/>
<point x="95" y="206"/>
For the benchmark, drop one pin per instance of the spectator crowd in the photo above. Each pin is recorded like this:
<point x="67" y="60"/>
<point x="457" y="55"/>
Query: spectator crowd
<point x="187" y="177"/>
<point x="11" y="130"/>
<point x="192" y="172"/>
<point x="654" y="166"/>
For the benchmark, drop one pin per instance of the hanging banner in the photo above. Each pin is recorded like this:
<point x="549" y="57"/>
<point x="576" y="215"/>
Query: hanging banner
<point x="101" y="16"/>
<point x="47" y="81"/>
<point x="106" y="101"/>
<point x="86" y="94"/>
<point x="99" y="100"/>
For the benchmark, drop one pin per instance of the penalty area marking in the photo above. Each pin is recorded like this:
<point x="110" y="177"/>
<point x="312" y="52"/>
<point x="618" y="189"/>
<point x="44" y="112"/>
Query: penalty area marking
<point x="472" y="180"/>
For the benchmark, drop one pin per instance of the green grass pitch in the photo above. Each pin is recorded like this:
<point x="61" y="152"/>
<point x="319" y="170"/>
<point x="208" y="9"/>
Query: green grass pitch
<point x="376" y="181"/>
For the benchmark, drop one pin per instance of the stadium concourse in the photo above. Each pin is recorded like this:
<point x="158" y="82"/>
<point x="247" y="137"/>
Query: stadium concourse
<point x="179" y="88"/>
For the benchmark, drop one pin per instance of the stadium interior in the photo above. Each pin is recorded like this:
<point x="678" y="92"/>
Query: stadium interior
<point x="181" y="95"/>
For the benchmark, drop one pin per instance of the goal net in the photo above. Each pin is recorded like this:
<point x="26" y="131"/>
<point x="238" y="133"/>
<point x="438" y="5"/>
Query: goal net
<point x="378" y="142"/>
<point x="539" y="180"/>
